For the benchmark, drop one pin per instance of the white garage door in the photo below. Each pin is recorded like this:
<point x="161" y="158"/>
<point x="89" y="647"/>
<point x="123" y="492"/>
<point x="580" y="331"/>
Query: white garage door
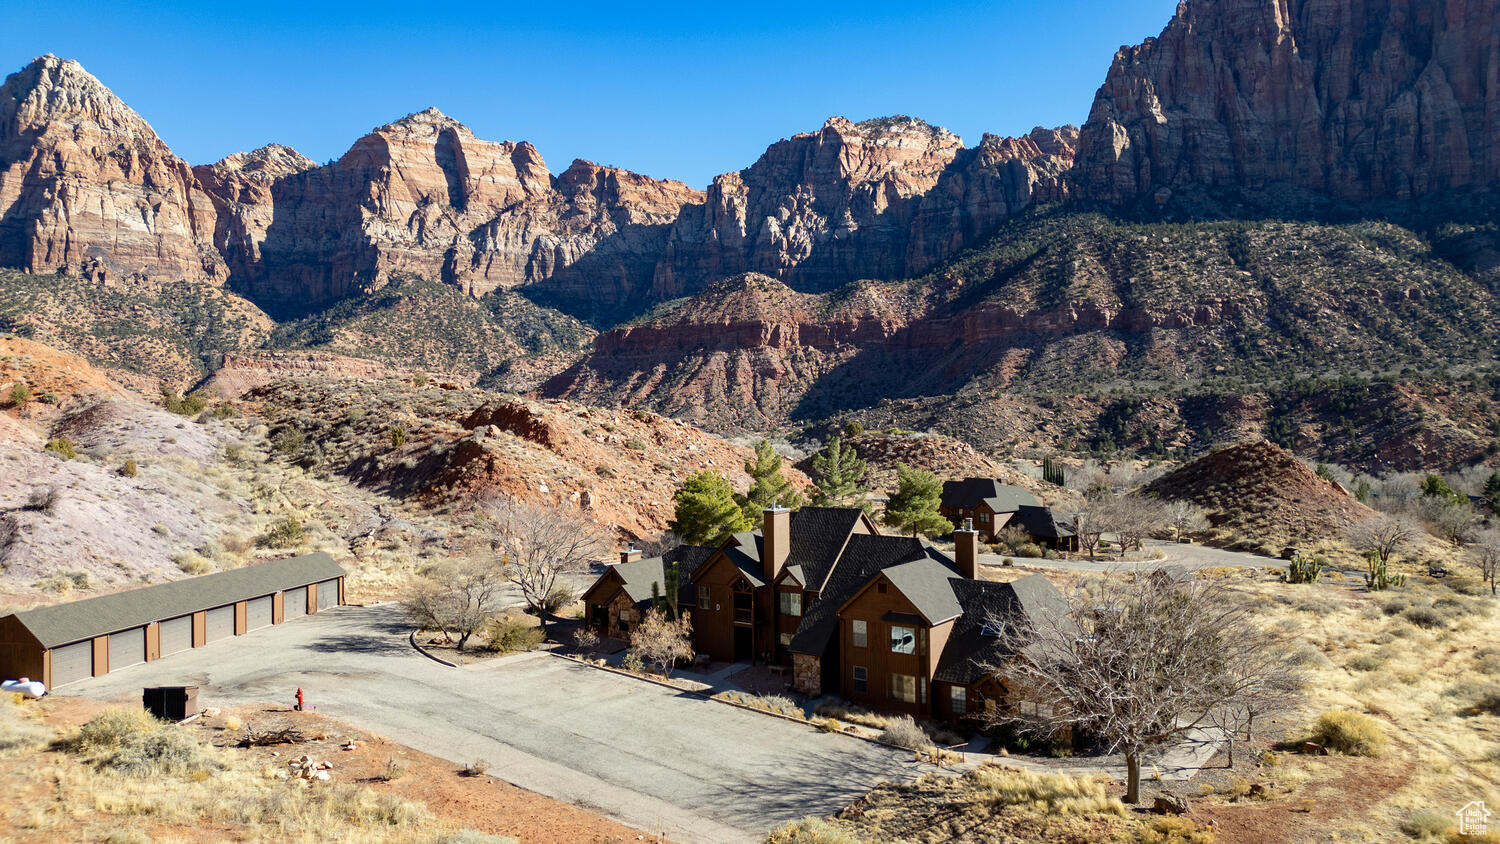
<point x="71" y="663"/>
<point x="258" y="613"/>
<point x="176" y="634"/>
<point x="294" y="603"/>
<point x="128" y="647"/>
<point x="220" y="624"/>
<point x="328" y="594"/>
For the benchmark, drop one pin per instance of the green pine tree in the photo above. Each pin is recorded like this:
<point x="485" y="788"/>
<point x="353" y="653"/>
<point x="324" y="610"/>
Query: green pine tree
<point x="1492" y="491"/>
<point x="839" y="477"/>
<point x="768" y="486"/>
<point x="706" y="510"/>
<point x="914" y="505"/>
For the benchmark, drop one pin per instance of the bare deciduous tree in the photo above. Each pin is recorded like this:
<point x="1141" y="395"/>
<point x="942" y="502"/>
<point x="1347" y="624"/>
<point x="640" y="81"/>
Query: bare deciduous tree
<point x="537" y="544"/>
<point x="1486" y="552"/>
<point x="1139" y="664"/>
<point x="1135" y="518"/>
<point x="1186" y="517"/>
<point x="1382" y="536"/>
<point x="456" y="598"/>
<point x="662" y="640"/>
<point x="1089" y="525"/>
<point x="1453" y="520"/>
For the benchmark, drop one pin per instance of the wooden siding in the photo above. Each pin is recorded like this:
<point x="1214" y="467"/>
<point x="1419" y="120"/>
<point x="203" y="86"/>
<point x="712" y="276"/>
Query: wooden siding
<point x="278" y="608"/>
<point x="153" y="641"/>
<point x="870" y="606"/>
<point x="713" y="628"/>
<point x="241" y="617"/>
<point x="21" y="655"/>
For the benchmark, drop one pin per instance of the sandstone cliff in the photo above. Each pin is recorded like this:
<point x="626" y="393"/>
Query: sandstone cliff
<point x="86" y="186"/>
<point x="1354" y="99"/>
<point x="885" y="198"/>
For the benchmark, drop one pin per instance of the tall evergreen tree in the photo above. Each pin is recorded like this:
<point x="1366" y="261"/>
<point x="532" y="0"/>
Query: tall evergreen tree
<point x="768" y="486"/>
<point x="706" y="510"/>
<point x="914" y="505"/>
<point x="1492" y="491"/>
<point x="839" y="476"/>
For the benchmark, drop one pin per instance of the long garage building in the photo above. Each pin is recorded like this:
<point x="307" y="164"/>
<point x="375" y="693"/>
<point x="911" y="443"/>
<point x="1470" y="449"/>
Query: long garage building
<point x="65" y="643"/>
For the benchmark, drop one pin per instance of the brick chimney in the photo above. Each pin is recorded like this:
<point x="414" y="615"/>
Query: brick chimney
<point x="777" y="533"/>
<point x="630" y="555"/>
<point x="966" y="550"/>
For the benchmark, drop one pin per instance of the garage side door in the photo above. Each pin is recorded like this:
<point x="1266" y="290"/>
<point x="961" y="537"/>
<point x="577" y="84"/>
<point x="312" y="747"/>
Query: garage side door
<point x="176" y="634"/>
<point x="71" y="663"/>
<point x="219" y="623"/>
<point x="128" y="647"/>
<point x="294" y="603"/>
<point x="258" y="613"/>
<point x="328" y="594"/>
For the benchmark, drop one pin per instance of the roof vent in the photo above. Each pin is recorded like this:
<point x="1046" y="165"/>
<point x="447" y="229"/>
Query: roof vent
<point x="989" y="630"/>
<point x="968" y="524"/>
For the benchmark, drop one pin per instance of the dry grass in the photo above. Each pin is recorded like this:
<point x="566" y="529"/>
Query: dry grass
<point x="1350" y="733"/>
<point x="1055" y="793"/>
<point x="19" y="729"/>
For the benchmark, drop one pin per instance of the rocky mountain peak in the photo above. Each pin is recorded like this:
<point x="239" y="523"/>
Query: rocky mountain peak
<point x="51" y="91"/>
<point x="428" y="121"/>
<point x="269" y="162"/>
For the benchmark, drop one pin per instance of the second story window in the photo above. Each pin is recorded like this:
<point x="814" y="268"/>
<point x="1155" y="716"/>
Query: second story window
<point x="903" y="640"/>
<point x="703" y="598"/>
<point x="791" y="603"/>
<point x="861" y="633"/>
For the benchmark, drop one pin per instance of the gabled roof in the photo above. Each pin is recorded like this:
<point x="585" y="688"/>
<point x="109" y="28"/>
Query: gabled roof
<point x="75" y="621"/>
<point x="1001" y="498"/>
<point x="926" y="583"/>
<point x="864" y="556"/>
<point x="1041" y="521"/>
<point x="972" y="651"/>
<point x="818" y="535"/>
<point x="638" y="576"/>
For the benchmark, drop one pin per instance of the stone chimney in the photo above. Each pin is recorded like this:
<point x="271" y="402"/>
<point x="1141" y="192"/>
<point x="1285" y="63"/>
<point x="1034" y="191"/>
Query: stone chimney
<point x="777" y="533"/>
<point x="630" y="555"/>
<point x="966" y="550"/>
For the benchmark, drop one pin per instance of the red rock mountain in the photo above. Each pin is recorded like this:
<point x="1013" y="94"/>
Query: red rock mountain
<point x="885" y="198"/>
<point x="87" y="186"/>
<point x="1354" y="99"/>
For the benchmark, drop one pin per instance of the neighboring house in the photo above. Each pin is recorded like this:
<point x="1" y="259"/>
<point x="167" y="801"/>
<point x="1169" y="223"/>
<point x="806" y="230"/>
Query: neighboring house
<point x="619" y="599"/>
<point x="886" y="621"/>
<point x="994" y="506"/>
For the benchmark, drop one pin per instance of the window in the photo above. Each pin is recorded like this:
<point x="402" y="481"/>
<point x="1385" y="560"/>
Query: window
<point x="1032" y="709"/>
<point x="786" y="639"/>
<point x="958" y="697"/>
<point x="861" y="679"/>
<point x="904" y="688"/>
<point x="860" y="637"/>
<point x="903" y="640"/>
<point x="984" y="517"/>
<point x="624" y="620"/>
<point x="791" y="603"/>
<point x="703" y="599"/>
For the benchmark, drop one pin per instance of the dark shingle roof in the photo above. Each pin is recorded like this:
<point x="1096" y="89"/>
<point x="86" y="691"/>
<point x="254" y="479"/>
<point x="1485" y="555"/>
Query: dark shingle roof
<point x="863" y="557"/>
<point x="1002" y="498"/>
<point x="1041" y="521"/>
<point x="75" y="621"/>
<point x="970" y="654"/>
<point x="818" y="534"/>
<point x="639" y="576"/>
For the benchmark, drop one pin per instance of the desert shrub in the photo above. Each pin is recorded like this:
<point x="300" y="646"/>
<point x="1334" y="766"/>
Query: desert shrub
<point x="62" y="447"/>
<point x="1487" y="661"/>
<point x="45" y="500"/>
<point x="63" y="582"/>
<point x="17" y="732"/>
<point x="1425" y="617"/>
<point x="844" y="711"/>
<point x="1350" y="733"/>
<point x="1173" y="829"/>
<point x="1426" y="826"/>
<point x="393" y="769"/>
<point x="586" y="640"/>
<point x="190" y="405"/>
<point x="128" y="469"/>
<point x="225" y="411"/>
<point x="286" y="532"/>
<point x="778" y="703"/>
<point x="162" y="751"/>
<point x="1484" y="699"/>
<point x="632" y="662"/>
<point x="1366" y="662"/>
<point x="398" y="436"/>
<point x="1030" y="550"/>
<point x="288" y="440"/>
<point x="829" y="725"/>
<point x="604" y="471"/>
<point x="812" y="831"/>
<point x="559" y="597"/>
<point x="20" y="394"/>
<point x="192" y="563"/>
<point x="476" y="768"/>
<point x="903" y="731"/>
<point x="108" y="729"/>
<point x="50" y="398"/>
<point x="512" y="635"/>
<point x="1056" y="793"/>
<point x="635" y="444"/>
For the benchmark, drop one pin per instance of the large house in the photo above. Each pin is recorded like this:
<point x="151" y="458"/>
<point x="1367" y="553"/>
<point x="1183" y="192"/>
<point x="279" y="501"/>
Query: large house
<point x="993" y="507"/>
<point x="886" y="621"/>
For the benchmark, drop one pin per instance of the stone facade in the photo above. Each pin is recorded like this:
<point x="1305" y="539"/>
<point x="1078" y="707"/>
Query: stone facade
<point x="807" y="674"/>
<point x="622" y="608"/>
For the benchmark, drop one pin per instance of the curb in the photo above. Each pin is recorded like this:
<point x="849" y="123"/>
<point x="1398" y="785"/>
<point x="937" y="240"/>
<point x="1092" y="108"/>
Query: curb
<point x="424" y="652"/>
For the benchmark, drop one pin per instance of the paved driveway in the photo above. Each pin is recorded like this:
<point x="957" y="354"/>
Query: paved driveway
<point x="654" y="758"/>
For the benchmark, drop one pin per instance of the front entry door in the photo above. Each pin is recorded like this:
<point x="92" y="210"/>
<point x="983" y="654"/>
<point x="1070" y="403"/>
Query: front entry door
<point x="744" y="645"/>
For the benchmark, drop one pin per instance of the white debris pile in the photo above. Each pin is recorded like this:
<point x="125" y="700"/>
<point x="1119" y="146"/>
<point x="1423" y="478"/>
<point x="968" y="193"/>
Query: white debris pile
<point x="304" y="767"/>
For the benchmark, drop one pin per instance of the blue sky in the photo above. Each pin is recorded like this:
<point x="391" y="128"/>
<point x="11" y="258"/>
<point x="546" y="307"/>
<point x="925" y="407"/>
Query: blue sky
<point x="672" y="90"/>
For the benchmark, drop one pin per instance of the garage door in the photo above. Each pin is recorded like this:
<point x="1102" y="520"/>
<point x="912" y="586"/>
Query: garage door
<point x="258" y="613"/>
<point x="127" y="647"/>
<point x="71" y="663"/>
<point x="294" y="603"/>
<point x="328" y="594"/>
<point x="176" y="634"/>
<point x="220" y="624"/>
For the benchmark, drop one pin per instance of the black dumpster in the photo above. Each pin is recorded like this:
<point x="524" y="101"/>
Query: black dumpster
<point x="171" y="703"/>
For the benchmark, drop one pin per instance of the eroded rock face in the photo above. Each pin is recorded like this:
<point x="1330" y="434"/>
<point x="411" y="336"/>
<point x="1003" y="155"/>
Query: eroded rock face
<point x="87" y="186"/>
<point x="885" y="198"/>
<point x="1355" y="99"/>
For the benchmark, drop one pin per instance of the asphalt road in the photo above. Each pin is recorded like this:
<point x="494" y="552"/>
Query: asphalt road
<point x="649" y="756"/>
<point x="1186" y="555"/>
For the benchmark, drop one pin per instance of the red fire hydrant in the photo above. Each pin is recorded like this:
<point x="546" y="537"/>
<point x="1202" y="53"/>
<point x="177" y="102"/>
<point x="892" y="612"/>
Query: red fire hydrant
<point x="299" y="700"/>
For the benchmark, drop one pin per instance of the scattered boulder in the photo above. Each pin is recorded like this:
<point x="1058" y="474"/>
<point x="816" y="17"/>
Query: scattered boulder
<point x="1168" y="803"/>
